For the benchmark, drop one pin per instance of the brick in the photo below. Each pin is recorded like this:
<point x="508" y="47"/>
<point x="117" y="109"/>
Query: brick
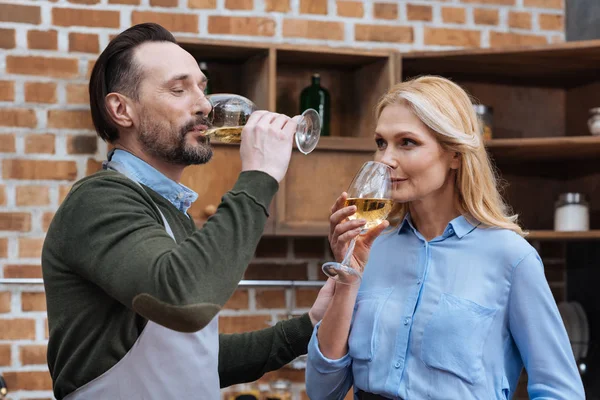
<point x="306" y="297"/>
<point x="164" y="3"/>
<point x="313" y="29"/>
<point x="33" y="354"/>
<point x="172" y="22"/>
<point x="385" y="10"/>
<point x="5" y="302"/>
<point x="32" y="195"/>
<point x="18" y="117"/>
<point x="243" y="323"/>
<point x="7" y="144"/>
<point x="30" y="247"/>
<point x="20" y="13"/>
<point x="92" y="166"/>
<point x="276" y="271"/>
<point x="252" y="26"/>
<point x="47" y="329"/>
<point x="82" y="144"/>
<point x="4" y="248"/>
<point x="46" y="220"/>
<point x="454" y="15"/>
<point x="239" y="4"/>
<point x="204" y="4"/>
<point x="2" y="195"/>
<point x="494" y="2"/>
<point x="43" y="66"/>
<point x="17" y="329"/>
<point x="282" y="6"/>
<point x="40" y="92"/>
<point x="383" y="33"/>
<point x="5" y="355"/>
<point x="415" y="12"/>
<point x="63" y="191"/>
<point x="86" y="17"/>
<point x="87" y="2"/>
<point x="31" y="380"/>
<point x="22" y="271"/>
<point x="519" y="20"/>
<point x="452" y="37"/>
<point x="33" y="301"/>
<point x="40" y="143"/>
<point x="498" y="39"/>
<point x="7" y="91"/>
<point x="39" y="169"/>
<point x="313" y="7"/>
<point x="483" y="16"/>
<point x="130" y="2"/>
<point x="7" y="39"/>
<point x="90" y="67"/>
<point x="557" y="4"/>
<point x="270" y="299"/>
<point x="42" y="40"/>
<point x="309" y="247"/>
<point x="551" y="22"/>
<point x="238" y="301"/>
<point x="270" y="247"/>
<point x="84" y="43"/>
<point x="15" y="221"/>
<point x="350" y="9"/>
<point x="77" y="93"/>
<point x="70" y="119"/>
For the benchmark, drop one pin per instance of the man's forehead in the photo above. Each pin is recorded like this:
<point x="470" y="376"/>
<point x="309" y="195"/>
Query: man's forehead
<point x="164" y="57"/>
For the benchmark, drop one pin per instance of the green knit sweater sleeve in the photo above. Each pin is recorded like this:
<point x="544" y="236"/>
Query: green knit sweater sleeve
<point x="116" y="240"/>
<point x="245" y="357"/>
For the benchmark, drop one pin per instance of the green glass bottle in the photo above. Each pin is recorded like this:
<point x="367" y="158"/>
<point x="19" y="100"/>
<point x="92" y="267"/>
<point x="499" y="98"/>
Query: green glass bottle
<point x="204" y="70"/>
<point x="317" y="97"/>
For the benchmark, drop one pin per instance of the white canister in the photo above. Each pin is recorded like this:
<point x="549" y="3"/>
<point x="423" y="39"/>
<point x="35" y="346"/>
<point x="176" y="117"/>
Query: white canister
<point x="571" y="213"/>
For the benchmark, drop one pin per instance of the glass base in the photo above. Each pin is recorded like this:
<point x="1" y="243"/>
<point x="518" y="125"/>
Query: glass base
<point x="308" y="131"/>
<point x="341" y="273"/>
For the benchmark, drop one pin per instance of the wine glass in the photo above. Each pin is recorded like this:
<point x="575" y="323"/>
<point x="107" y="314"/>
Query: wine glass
<point x="371" y="192"/>
<point x="230" y="112"/>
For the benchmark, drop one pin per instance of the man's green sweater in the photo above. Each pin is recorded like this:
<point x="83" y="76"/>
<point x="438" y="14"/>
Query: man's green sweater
<point x="109" y="266"/>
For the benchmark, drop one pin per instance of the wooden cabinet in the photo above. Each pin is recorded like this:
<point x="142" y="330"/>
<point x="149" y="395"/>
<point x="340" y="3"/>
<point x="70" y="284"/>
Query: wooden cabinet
<point x="273" y="76"/>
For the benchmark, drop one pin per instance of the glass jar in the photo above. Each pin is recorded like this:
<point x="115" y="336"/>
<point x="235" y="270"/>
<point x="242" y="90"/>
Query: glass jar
<point x="485" y="116"/>
<point x="281" y="389"/>
<point x="594" y="121"/>
<point x="571" y="213"/>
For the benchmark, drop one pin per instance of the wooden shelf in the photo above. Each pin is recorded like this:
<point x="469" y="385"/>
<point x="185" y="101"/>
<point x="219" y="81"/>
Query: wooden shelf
<point x="545" y="149"/>
<point x="563" y="65"/>
<point x="563" y="236"/>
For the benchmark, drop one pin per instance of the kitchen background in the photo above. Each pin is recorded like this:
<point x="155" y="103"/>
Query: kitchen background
<point x="47" y="141"/>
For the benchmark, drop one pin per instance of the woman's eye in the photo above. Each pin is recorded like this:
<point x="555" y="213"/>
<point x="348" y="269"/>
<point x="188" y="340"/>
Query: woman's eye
<point x="380" y="143"/>
<point x="408" y="142"/>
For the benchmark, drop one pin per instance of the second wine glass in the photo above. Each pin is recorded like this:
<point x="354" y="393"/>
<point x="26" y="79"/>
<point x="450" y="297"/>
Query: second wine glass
<point x="230" y="112"/>
<point x="371" y="193"/>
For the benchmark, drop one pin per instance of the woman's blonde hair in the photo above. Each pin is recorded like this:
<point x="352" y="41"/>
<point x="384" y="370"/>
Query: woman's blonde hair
<point x="448" y="112"/>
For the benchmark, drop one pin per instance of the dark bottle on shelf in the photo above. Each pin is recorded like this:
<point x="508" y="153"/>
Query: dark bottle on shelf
<point x="204" y="70"/>
<point x="317" y="97"/>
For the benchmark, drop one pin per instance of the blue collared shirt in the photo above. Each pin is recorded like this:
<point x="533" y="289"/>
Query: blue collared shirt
<point x="177" y="194"/>
<point x="457" y="317"/>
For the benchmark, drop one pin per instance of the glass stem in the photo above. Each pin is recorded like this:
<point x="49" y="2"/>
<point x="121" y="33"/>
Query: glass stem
<point x="346" y="260"/>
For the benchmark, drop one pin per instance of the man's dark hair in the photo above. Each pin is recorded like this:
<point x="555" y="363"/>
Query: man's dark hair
<point x="116" y="71"/>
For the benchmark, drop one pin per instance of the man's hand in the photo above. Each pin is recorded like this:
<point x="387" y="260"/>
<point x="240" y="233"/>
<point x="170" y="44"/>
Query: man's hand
<point x="267" y="140"/>
<point x="321" y="304"/>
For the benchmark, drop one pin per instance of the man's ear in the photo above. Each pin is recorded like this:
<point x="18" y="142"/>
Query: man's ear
<point x="120" y="109"/>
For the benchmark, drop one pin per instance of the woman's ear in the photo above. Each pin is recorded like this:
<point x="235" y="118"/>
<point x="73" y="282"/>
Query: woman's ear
<point x="120" y="109"/>
<point x="456" y="160"/>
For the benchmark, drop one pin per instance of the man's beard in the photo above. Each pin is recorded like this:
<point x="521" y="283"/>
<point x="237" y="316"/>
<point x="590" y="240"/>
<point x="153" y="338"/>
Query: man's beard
<point x="159" y="141"/>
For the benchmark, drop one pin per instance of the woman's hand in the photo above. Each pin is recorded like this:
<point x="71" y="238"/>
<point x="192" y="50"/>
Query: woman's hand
<point x="342" y="231"/>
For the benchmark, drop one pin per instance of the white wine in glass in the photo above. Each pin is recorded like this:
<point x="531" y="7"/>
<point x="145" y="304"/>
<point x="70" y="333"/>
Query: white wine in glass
<point x="371" y="193"/>
<point x="230" y="112"/>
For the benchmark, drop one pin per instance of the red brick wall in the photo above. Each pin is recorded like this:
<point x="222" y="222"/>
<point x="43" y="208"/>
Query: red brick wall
<point x="47" y="49"/>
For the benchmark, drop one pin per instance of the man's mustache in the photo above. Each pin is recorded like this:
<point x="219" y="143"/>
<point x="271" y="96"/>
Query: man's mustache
<point x="199" y="121"/>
